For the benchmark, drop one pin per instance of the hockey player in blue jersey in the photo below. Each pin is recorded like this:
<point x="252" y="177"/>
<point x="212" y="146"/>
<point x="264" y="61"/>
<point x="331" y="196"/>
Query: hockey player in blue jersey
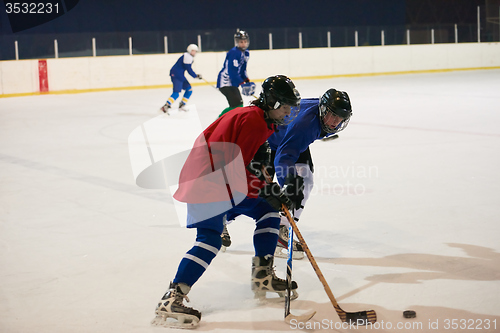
<point x="319" y="118"/>
<point x="179" y="81"/>
<point x="234" y="72"/>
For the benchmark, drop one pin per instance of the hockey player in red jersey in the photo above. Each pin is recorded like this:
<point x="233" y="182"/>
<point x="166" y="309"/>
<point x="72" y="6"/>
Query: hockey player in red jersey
<point x="221" y="175"/>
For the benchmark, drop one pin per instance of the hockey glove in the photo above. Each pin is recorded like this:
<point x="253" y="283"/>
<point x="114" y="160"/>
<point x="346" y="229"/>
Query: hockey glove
<point x="274" y="196"/>
<point x="262" y="159"/>
<point x="248" y="88"/>
<point x="198" y="76"/>
<point x="293" y="189"/>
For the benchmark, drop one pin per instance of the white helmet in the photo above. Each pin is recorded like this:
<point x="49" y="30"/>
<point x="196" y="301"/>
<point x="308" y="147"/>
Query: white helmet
<point x="192" y="47"/>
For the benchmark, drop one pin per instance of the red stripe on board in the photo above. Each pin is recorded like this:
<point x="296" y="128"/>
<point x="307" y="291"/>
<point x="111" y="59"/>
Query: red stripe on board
<point x="43" y="76"/>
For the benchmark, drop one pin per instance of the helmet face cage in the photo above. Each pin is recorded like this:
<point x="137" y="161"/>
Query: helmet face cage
<point x="289" y="118"/>
<point x="338" y="104"/>
<point x="241" y="35"/>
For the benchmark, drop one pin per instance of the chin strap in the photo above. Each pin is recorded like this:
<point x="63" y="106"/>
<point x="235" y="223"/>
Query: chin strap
<point x="270" y="122"/>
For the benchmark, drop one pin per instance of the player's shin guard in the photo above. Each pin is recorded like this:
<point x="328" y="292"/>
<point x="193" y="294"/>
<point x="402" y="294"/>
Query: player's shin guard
<point x="196" y="260"/>
<point x="266" y="234"/>
<point x="172" y="98"/>
<point x="185" y="98"/>
<point x="187" y="95"/>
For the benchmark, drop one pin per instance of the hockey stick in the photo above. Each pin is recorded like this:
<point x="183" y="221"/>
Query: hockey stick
<point x="357" y="318"/>
<point x="288" y="316"/>
<point x="332" y="137"/>
<point x="288" y="274"/>
<point x="210" y="84"/>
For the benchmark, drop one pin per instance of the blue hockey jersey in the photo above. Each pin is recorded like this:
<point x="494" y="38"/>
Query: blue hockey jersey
<point x="183" y="64"/>
<point x="234" y="70"/>
<point x="293" y="139"/>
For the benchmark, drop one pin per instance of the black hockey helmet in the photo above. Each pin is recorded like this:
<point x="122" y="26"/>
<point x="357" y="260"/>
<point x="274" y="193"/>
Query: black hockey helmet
<point x="338" y="103"/>
<point x="241" y="35"/>
<point x="279" y="90"/>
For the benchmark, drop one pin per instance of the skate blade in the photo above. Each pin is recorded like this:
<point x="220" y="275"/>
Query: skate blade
<point x="175" y="320"/>
<point x="261" y="296"/>
<point x="223" y="248"/>
<point x="283" y="253"/>
<point x="160" y="111"/>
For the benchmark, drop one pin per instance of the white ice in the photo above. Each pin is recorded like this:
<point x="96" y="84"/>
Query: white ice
<point x="405" y="213"/>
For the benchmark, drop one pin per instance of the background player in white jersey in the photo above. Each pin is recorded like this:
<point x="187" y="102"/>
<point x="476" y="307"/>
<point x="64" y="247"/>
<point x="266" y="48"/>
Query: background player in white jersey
<point x="234" y="72"/>
<point x="179" y="81"/>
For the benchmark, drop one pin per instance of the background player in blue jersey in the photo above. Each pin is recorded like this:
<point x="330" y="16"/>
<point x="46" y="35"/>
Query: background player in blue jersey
<point x="179" y="81"/>
<point x="234" y="72"/>
<point x="319" y="118"/>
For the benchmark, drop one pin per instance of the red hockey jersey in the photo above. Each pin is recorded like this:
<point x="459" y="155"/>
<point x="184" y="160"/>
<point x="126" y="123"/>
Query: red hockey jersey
<point x="215" y="170"/>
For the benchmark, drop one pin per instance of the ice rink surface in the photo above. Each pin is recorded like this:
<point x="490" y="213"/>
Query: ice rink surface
<point x="405" y="214"/>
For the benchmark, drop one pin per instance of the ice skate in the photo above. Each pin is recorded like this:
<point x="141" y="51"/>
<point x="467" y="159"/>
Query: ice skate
<point x="226" y="239"/>
<point x="282" y="246"/>
<point x="164" y="109"/>
<point x="171" y="312"/>
<point x="183" y="107"/>
<point x="264" y="280"/>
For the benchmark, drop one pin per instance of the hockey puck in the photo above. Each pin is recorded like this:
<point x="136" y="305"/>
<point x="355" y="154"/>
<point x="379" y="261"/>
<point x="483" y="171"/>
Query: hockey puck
<point x="409" y="314"/>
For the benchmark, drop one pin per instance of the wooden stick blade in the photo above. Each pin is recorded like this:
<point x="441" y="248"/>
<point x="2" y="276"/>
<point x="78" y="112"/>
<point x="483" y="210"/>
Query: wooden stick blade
<point x="290" y="318"/>
<point x="361" y="318"/>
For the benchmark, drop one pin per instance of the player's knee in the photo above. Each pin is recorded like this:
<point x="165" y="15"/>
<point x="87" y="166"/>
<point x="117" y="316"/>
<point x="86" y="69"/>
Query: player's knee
<point x="271" y="222"/>
<point x="188" y="93"/>
<point x="210" y="237"/>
